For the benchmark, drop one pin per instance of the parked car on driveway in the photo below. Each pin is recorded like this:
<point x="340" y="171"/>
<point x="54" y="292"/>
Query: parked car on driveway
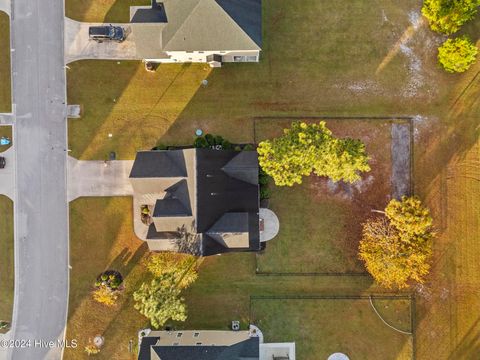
<point x="107" y="32"/>
<point x="2" y="162"/>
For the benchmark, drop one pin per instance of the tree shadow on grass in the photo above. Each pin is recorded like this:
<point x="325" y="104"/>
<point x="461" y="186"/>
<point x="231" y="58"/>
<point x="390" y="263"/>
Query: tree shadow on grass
<point x="126" y="260"/>
<point x="89" y="249"/>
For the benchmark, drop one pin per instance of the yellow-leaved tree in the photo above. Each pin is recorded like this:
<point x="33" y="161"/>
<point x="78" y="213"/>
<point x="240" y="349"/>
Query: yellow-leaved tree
<point x="307" y="148"/>
<point x="397" y="247"/>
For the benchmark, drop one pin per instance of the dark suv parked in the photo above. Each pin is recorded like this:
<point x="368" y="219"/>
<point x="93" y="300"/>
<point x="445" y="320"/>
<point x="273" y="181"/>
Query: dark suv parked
<point x="2" y="162"/>
<point x="108" y="32"/>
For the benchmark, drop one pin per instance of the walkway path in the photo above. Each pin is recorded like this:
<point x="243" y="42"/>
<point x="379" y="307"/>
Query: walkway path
<point x="98" y="178"/>
<point x="401" y="159"/>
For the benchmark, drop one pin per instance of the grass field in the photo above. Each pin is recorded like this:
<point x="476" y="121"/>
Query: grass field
<point x="101" y="11"/>
<point x="5" y="81"/>
<point x="109" y="243"/>
<point x="104" y="242"/>
<point x="6" y="258"/>
<point x="320" y="327"/>
<point x="448" y="175"/>
<point x="320" y="222"/>
<point x="336" y="74"/>
<point x="6" y="131"/>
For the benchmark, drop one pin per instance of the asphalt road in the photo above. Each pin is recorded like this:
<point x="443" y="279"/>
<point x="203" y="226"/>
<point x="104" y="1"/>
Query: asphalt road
<point x="41" y="207"/>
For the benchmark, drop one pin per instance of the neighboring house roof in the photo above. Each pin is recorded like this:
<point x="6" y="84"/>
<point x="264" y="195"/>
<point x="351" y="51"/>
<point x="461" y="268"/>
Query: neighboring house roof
<point x="201" y="25"/>
<point x="217" y="199"/>
<point x="244" y="348"/>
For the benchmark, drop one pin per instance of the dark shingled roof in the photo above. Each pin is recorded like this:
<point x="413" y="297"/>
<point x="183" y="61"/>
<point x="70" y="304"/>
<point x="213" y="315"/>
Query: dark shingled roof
<point x="147" y="343"/>
<point x="244" y="166"/>
<point x="218" y="193"/>
<point x="155" y="14"/>
<point x="247" y="14"/>
<point x="170" y="207"/>
<point x="245" y="350"/>
<point x="162" y="163"/>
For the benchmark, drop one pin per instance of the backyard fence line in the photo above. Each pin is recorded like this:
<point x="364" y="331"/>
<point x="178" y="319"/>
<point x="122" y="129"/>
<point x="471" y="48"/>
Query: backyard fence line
<point x="332" y="274"/>
<point x="385" y="322"/>
<point x="377" y="296"/>
<point x="322" y="117"/>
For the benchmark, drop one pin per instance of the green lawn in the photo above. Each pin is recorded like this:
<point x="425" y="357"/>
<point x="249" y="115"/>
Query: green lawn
<point x="101" y="11"/>
<point x="320" y="327"/>
<point x="6" y="131"/>
<point x="5" y="81"/>
<point x="320" y="222"/>
<point x="6" y="259"/>
<point x="101" y="238"/>
<point x="306" y="69"/>
<point x="106" y="241"/>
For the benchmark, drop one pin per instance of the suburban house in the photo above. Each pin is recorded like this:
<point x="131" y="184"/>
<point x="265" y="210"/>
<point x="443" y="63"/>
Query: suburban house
<point x="202" y="31"/>
<point x="199" y="201"/>
<point x="212" y="345"/>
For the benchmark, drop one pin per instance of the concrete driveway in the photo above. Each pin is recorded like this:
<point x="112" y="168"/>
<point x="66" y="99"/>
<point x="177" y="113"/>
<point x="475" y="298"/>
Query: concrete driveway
<point x="98" y="178"/>
<point x="5" y="6"/>
<point x="78" y="46"/>
<point x="7" y="175"/>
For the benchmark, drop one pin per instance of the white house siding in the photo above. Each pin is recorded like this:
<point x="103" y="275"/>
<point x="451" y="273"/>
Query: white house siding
<point x="201" y="56"/>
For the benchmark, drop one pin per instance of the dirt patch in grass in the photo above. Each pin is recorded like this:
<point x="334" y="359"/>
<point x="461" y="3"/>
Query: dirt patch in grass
<point x="339" y="325"/>
<point x="320" y="221"/>
<point x="5" y="83"/>
<point x="6" y="259"/>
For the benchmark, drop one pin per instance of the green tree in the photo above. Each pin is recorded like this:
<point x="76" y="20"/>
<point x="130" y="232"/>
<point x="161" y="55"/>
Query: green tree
<point x="307" y="148"/>
<point x="446" y="16"/>
<point x="182" y="267"/>
<point x="160" y="301"/>
<point x="397" y="247"/>
<point x="457" y="55"/>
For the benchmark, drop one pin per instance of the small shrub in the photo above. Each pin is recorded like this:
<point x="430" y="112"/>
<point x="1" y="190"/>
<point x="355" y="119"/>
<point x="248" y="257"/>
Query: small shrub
<point x="248" y="147"/>
<point x="160" y="147"/>
<point x="264" y="193"/>
<point x="263" y="178"/>
<point x="91" y="349"/>
<point x="210" y="139"/>
<point x="457" y="55"/>
<point x="237" y="148"/>
<point x="226" y="145"/>
<point x="200" y="143"/>
<point x="216" y="142"/>
<point x="111" y="279"/>
<point x="106" y="296"/>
